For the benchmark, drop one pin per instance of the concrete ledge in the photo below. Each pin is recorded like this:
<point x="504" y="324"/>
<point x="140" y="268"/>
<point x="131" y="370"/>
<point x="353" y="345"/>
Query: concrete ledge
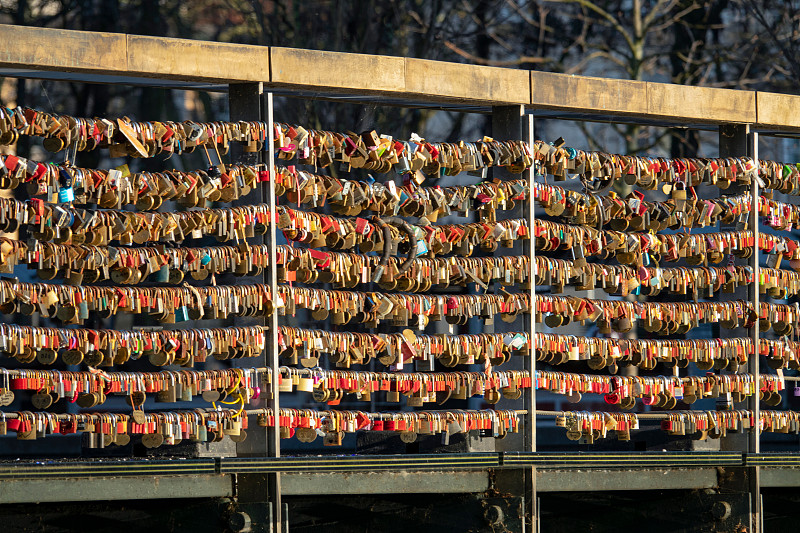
<point x="780" y="477"/>
<point x="701" y="104"/>
<point x="115" y="488"/>
<point x="65" y="50"/>
<point x="587" y="94"/>
<point x="467" y="83"/>
<point x="778" y="111"/>
<point x="620" y="479"/>
<point x="128" y="58"/>
<point x="301" y="484"/>
<point x="184" y="59"/>
<point x="384" y="483"/>
<point x="317" y="70"/>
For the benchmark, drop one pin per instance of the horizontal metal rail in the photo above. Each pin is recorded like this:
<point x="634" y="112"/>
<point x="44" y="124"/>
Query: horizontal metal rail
<point x="370" y="463"/>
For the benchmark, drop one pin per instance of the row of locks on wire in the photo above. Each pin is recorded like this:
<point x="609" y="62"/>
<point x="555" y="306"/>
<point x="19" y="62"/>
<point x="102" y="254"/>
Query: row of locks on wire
<point x="392" y="264"/>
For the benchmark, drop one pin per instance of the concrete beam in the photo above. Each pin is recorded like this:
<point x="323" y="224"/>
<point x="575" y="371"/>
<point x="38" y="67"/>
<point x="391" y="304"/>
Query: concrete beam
<point x="39" y="50"/>
<point x="584" y="94"/>
<point x="700" y="104"/>
<point x="63" y="50"/>
<point x="115" y="488"/>
<point x="466" y="83"/>
<point x="780" y="477"/>
<point x="189" y="60"/>
<point x="317" y="70"/>
<point x="620" y="479"/>
<point x="384" y="483"/>
<point x="298" y="484"/>
<point x="777" y="111"/>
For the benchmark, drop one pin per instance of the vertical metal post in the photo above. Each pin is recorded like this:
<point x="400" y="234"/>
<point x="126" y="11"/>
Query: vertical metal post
<point x="508" y="124"/>
<point x="735" y="140"/>
<point x="530" y="404"/>
<point x="248" y="102"/>
<point x="274" y="447"/>
<point x="274" y="436"/>
<point x="754" y="363"/>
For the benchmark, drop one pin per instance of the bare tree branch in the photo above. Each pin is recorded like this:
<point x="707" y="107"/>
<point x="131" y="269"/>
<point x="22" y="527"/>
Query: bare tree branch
<point x="495" y="63"/>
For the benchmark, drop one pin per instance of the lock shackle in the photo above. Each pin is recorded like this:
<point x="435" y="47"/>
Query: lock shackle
<point x="404" y="226"/>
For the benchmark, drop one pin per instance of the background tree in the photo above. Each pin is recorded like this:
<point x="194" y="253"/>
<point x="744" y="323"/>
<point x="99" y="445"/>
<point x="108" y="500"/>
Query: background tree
<point x="723" y="43"/>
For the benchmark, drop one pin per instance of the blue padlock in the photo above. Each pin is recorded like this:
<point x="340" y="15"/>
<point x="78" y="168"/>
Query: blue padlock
<point x="162" y="274"/>
<point x="182" y="314"/>
<point x="66" y="195"/>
